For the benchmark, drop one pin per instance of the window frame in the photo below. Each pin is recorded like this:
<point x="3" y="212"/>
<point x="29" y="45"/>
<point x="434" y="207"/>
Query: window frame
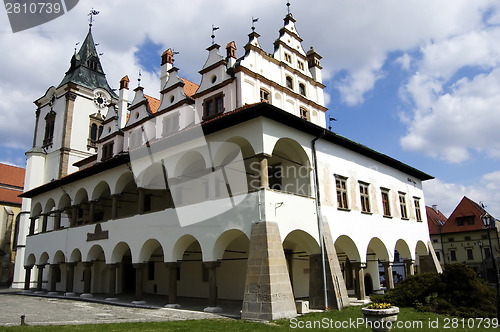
<point x="107" y="151"/>
<point x="50" y="123"/>
<point x="403" y="206"/>
<point x="418" y="210"/>
<point x="211" y="106"/>
<point x="302" y="89"/>
<point x="267" y="93"/>
<point x="342" y="193"/>
<point x="386" y="203"/>
<point x="364" y="194"/>
<point x="289" y="82"/>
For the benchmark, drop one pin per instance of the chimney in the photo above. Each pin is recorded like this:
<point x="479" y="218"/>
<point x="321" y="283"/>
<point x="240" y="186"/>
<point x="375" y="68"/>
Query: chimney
<point x="167" y="60"/>
<point x="123" y="102"/>
<point x="313" y="60"/>
<point x="435" y="208"/>
<point x="231" y="54"/>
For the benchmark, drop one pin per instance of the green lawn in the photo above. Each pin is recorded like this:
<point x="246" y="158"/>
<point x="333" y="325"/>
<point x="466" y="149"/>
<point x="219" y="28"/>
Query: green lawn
<point x="414" y="320"/>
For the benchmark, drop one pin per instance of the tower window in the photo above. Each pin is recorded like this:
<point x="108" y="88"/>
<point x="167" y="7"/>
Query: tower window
<point x="289" y="82"/>
<point x="300" y="65"/>
<point x="213" y="105"/>
<point x="302" y="89"/>
<point x="50" y="121"/>
<point x="95" y="130"/>
<point x="288" y="58"/>
<point x="304" y="114"/>
<point x="264" y="95"/>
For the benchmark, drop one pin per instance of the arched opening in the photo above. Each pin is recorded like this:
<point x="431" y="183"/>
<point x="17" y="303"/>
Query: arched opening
<point x="157" y="195"/>
<point x="192" y="277"/>
<point x="65" y="207"/>
<point x="232" y="248"/>
<point x="128" y="197"/>
<point x="83" y="207"/>
<point x="98" y="276"/>
<point x="191" y="183"/>
<point x="102" y="201"/>
<point x="350" y="262"/>
<point x="125" y="281"/>
<point x="57" y="278"/>
<point x="402" y="260"/>
<point x="376" y="256"/>
<point x="36" y="224"/>
<point x="289" y="168"/>
<point x="155" y="274"/>
<point x="48" y="216"/>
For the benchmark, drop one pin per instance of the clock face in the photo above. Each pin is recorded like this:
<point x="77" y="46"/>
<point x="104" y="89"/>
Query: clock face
<point x="100" y="99"/>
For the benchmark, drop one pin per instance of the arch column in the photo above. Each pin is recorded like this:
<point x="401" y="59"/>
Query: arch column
<point x="409" y="267"/>
<point x="87" y="278"/>
<point x="112" y="282"/>
<point x="264" y="170"/>
<point x="139" y="275"/>
<point x="389" y="280"/>
<point x="32" y="225"/>
<point x="172" y="284"/>
<point x="212" y="286"/>
<point x="53" y="280"/>
<point x="74" y="214"/>
<point x="114" y="206"/>
<point x="360" y="279"/>
<point x="70" y="277"/>
<point x="92" y="211"/>
<point x="140" y="200"/>
<point x="45" y="220"/>
<point x="27" y="278"/>
<point x="40" y="278"/>
<point x="57" y="220"/>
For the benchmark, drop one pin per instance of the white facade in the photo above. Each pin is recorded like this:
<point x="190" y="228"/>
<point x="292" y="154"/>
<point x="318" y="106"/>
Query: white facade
<point x="181" y="188"/>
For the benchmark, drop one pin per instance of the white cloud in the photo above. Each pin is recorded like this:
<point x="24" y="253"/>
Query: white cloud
<point x="447" y="195"/>
<point x="404" y="61"/>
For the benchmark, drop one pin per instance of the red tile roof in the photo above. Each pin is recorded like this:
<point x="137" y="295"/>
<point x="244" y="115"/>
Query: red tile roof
<point x="435" y="220"/>
<point x="154" y="104"/>
<point x="11" y="183"/>
<point x="466" y="208"/>
<point x="189" y="87"/>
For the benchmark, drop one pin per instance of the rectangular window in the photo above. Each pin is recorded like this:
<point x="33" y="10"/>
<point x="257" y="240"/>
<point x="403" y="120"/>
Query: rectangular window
<point x="135" y="138"/>
<point x="342" y="202"/>
<point x="300" y="65"/>
<point x="402" y="205"/>
<point x="453" y="255"/>
<point x="470" y="220"/>
<point x="50" y="121"/>
<point x="365" y="197"/>
<point x="451" y="239"/>
<point x="385" y="202"/>
<point x="487" y="252"/>
<point x="213" y="105"/>
<point x="438" y="255"/>
<point x="288" y="58"/>
<point x="467" y="238"/>
<point x="470" y="254"/>
<point x="304" y="114"/>
<point x="264" y="95"/>
<point x="460" y="221"/>
<point x="418" y="213"/>
<point x="107" y="151"/>
<point x="170" y="124"/>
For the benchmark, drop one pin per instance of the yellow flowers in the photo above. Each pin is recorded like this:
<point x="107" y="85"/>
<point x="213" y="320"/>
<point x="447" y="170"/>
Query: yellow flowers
<point x="379" y="306"/>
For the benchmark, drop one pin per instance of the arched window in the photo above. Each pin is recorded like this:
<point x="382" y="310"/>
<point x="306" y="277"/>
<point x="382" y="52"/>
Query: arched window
<point x="302" y="89"/>
<point x="93" y="132"/>
<point x="289" y="82"/>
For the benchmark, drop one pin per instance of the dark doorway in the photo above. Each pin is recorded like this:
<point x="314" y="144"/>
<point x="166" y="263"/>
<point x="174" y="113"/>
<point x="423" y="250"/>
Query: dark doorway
<point x="368" y="284"/>
<point x="128" y="275"/>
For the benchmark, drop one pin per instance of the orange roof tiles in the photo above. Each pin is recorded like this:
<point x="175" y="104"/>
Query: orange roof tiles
<point x="465" y="209"/>
<point x="11" y="183"/>
<point x="189" y="87"/>
<point x="435" y="220"/>
<point x="154" y="104"/>
<point x="10" y="195"/>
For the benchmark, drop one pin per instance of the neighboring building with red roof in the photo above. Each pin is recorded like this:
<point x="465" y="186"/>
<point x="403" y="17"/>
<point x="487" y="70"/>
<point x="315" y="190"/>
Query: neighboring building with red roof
<point x="463" y="238"/>
<point x="11" y="186"/>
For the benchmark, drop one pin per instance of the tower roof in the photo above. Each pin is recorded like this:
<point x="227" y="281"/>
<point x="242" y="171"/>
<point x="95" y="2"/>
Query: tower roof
<point x="86" y="69"/>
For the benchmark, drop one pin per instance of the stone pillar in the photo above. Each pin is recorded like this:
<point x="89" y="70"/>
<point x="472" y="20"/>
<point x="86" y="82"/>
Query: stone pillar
<point x="264" y="171"/>
<point x="70" y="277"/>
<point x="27" y="278"/>
<point x="40" y="277"/>
<point x="409" y="267"/>
<point x="45" y="220"/>
<point x="87" y="279"/>
<point x="348" y="274"/>
<point x="114" y="207"/>
<point x="172" y="284"/>
<point x="74" y="215"/>
<point x="57" y="220"/>
<point x="360" y="279"/>
<point x="32" y="225"/>
<point x="212" y="286"/>
<point x="140" y="201"/>
<point x="389" y="281"/>
<point x="268" y="293"/>
<point x="139" y="275"/>
<point x="112" y="282"/>
<point x="92" y="212"/>
<point x="53" y="281"/>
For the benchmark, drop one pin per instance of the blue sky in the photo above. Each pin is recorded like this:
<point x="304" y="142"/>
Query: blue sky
<point x="418" y="80"/>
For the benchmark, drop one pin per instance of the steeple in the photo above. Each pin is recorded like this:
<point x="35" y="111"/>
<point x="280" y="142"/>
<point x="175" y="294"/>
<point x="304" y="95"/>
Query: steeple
<point x="85" y="68"/>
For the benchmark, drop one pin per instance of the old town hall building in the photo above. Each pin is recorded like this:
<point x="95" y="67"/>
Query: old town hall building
<point x="230" y="189"/>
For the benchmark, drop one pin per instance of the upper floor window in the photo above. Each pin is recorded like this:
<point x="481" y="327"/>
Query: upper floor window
<point x="300" y="65"/>
<point x="289" y="82"/>
<point x="304" y="114"/>
<point x="418" y="213"/>
<point x="288" y="58"/>
<point x="402" y="205"/>
<point x="135" y="138"/>
<point x="385" y="202"/>
<point x="264" y="95"/>
<point x="213" y="105"/>
<point x="341" y="184"/>
<point x="453" y="255"/>
<point x="365" y="197"/>
<point x="170" y="124"/>
<point x="95" y="130"/>
<point x="107" y="151"/>
<point x="50" y="121"/>
<point x="302" y="89"/>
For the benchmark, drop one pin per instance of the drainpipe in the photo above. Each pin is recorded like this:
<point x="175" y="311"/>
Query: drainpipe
<point x="319" y="216"/>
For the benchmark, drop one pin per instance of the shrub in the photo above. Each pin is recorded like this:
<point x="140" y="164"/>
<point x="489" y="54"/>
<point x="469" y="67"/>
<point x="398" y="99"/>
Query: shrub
<point x="458" y="291"/>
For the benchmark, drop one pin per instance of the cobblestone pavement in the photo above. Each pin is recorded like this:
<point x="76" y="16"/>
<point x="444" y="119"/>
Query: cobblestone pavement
<point x="61" y="311"/>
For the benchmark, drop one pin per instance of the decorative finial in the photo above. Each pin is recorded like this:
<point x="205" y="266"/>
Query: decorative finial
<point x="288" y="6"/>
<point x="254" y="20"/>
<point x="139" y="79"/>
<point x="214" y="28"/>
<point x="92" y="13"/>
<point x="76" y="46"/>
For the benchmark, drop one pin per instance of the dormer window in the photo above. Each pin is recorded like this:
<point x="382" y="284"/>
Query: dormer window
<point x="302" y="89"/>
<point x="213" y="105"/>
<point x="50" y="121"/>
<point x="304" y="114"/>
<point x="264" y="95"/>
<point x="107" y="151"/>
<point x="289" y="82"/>
<point x="288" y="58"/>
